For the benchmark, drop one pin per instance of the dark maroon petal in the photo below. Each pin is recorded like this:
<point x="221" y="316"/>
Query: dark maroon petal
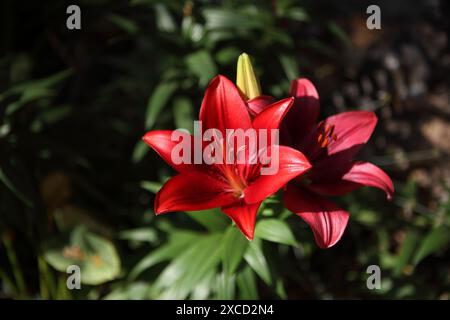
<point x="352" y="128"/>
<point x="351" y="131"/>
<point x="360" y="174"/>
<point x="326" y="219"/>
<point x="259" y="104"/>
<point x="304" y="113"/>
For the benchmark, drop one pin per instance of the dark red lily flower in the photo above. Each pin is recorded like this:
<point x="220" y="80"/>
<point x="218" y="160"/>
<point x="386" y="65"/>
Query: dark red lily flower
<point x="330" y="146"/>
<point x="238" y="189"/>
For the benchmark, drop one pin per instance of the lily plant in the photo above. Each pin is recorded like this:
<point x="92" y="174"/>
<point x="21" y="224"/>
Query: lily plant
<point x="314" y="159"/>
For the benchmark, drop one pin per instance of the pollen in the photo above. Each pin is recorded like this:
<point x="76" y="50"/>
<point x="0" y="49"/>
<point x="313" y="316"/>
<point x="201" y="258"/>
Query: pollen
<point x="326" y="135"/>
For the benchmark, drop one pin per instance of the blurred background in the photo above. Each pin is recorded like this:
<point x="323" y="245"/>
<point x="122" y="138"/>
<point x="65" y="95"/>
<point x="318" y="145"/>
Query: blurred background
<point x="77" y="184"/>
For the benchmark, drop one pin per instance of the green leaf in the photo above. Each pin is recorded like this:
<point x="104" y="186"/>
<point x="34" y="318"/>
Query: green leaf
<point x="234" y="247"/>
<point x="129" y="291"/>
<point x="279" y="288"/>
<point x="408" y="246"/>
<point x="96" y="256"/>
<point x="228" y="55"/>
<point x="297" y="14"/>
<point x="189" y="268"/>
<point x="125" y="24"/>
<point x="140" y="234"/>
<point x="290" y="67"/>
<point x="202" y="65"/>
<point x="164" y="20"/>
<point x="151" y="186"/>
<point x="183" y="114"/>
<point x="228" y="19"/>
<point x="159" y="98"/>
<point x="213" y="219"/>
<point x="226" y="286"/>
<point x="434" y="241"/>
<point x="246" y="283"/>
<point x="340" y="33"/>
<point x="367" y="217"/>
<point x="177" y="244"/>
<point x="257" y="261"/>
<point x="8" y="183"/>
<point x="33" y="90"/>
<point x="140" y="150"/>
<point x="276" y="231"/>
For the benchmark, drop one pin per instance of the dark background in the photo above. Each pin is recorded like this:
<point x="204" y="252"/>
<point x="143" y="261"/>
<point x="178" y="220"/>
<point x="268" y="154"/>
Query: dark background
<point x="77" y="185"/>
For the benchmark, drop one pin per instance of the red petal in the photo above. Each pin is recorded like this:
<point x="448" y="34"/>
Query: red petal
<point x="223" y="107"/>
<point x="360" y="174"/>
<point x="161" y="142"/>
<point x="326" y="219"/>
<point x="244" y="216"/>
<point x="191" y="191"/>
<point x="352" y="129"/>
<point x="291" y="163"/>
<point x="259" y="104"/>
<point x="303" y="115"/>
<point x="271" y="117"/>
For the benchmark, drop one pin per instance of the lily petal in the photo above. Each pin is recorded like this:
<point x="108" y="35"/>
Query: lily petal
<point x="191" y="191"/>
<point x="161" y="141"/>
<point x="326" y="219"/>
<point x="351" y="131"/>
<point x="223" y="107"/>
<point x="272" y="116"/>
<point x="360" y="174"/>
<point x="352" y="128"/>
<point x="303" y="115"/>
<point x="259" y="104"/>
<point x="289" y="164"/>
<point x="244" y="216"/>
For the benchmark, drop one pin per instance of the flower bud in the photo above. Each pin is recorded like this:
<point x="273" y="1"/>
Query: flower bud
<point x="246" y="79"/>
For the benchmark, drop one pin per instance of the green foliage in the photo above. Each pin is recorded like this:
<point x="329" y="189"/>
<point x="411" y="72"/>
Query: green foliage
<point x="95" y="255"/>
<point x="276" y="231"/>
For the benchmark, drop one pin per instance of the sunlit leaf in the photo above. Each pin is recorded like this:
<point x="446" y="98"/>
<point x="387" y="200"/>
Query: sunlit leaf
<point x="151" y="186"/>
<point x="144" y="234"/>
<point x="212" y="219"/>
<point x="234" y="247"/>
<point x="257" y="261"/>
<point x="226" y="286"/>
<point x="246" y="283"/>
<point x="434" y="241"/>
<point x="176" y="245"/>
<point x="189" y="268"/>
<point x="164" y="19"/>
<point x="275" y="230"/>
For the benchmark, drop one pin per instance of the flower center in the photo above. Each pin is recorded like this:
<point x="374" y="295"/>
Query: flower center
<point x="326" y="135"/>
<point x="236" y="182"/>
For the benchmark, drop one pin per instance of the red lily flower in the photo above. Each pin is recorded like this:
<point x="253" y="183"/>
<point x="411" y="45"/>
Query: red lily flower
<point x="330" y="146"/>
<point x="238" y="189"/>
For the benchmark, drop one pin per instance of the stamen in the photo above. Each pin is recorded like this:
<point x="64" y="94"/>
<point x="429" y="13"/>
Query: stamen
<point x="326" y="135"/>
